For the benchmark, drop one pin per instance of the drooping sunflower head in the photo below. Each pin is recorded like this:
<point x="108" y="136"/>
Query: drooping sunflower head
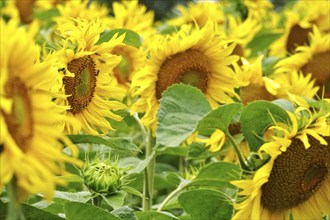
<point x="31" y="138"/>
<point x="312" y="59"/>
<point x="255" y="86"/>
<point x="87" y="69"/>
<point x="296" y="178"/>
<point x="198" y="57"/>
<point x="133" y="16"/>
<point x="200" y="13"/>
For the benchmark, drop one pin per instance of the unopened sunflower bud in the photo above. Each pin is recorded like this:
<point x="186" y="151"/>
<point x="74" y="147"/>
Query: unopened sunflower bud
<point x="102" y="177"/>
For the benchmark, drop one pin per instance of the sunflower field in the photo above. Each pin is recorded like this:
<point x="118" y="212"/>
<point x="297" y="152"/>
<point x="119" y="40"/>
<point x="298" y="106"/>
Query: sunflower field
<point x="165" y="110"/>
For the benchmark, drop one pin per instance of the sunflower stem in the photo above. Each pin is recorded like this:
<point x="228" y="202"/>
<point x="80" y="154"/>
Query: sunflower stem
<point x="141" y="126"/>
<point x="149" y="174"/>
<point x="14" y="210"/>
<point x="181" y="186"/>
<point x="241" y="158"/>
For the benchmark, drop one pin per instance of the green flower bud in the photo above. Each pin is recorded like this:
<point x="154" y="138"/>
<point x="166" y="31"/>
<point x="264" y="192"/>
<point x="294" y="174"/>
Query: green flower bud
<point x="102" y="177"/>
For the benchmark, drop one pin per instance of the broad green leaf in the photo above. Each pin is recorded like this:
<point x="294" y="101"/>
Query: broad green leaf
<point x="181" y="107"/>
<point x="198" y="150"/>
<point x="262" y="40"/>
<point x="84" y="211"/>
<point x="285" y="104"/>
<point x="217" y="174"/>
<point x="206" y="204"/>
<point x="257" y="117"/>
<point x="177" y="151"/>
<point x="83" y="196"/>
<point x="153" y="215"/>
<point x="125" y="213"/>
<point x="34" y="213"/>
<point x="131" y="37"/>
<point x="115" y="200"/>
<point x="122" y="144"/>
<point x="46" y="16"/>
<point x="142" y="164"/>
<point x="132" y="191"/>
<point x="220" y="118"/>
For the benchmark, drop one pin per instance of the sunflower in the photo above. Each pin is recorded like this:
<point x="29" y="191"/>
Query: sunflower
<point x="242" y="33"/>
<point x="132" y="61"/>
<point x="312" y="59"/>
<point x="258" y="8"/>
<point x="199" y="13"/>
<point x="82" y="9"/>
<point x="197" y="57"/>
<point x="87" y="69"/>
<point x="31" y="135"/>
<point x="133" y="16"/>
<point x="255" y="86"/>
<point x="296" y="178"/>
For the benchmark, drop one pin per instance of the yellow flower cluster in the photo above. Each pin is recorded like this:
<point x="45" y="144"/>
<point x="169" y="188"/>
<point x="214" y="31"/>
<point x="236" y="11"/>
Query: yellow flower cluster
<point x="71" y="67"/>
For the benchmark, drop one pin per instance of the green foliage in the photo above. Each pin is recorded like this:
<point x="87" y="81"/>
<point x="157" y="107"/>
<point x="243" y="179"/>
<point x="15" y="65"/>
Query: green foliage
<point x="153" y="215"/>
<point x="216" y="206"/>
<point x="220" y="118"/>
<point x="262" y="41"/>
<point x="131" y="37"/>
<point x="83" y="211"/>
<point x="217" y="174"/>
<point x="181" y="107"/>
<point x="257" y="117"/>
<point x="120" y="144"/>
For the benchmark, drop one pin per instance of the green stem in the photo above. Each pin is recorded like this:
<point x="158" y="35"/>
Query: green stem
<point x="141" y="126"/>
<point x="241" y="158"/>
<point x="149" y="174"/>
<point x="182" y="185"/>
<point x="14" y="210"/>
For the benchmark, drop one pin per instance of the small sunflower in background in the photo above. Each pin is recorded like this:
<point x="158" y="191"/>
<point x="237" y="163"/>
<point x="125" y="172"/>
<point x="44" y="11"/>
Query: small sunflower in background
<point x="82" y="9"/>
<point x="242" y="32"/>
<point x="132" y="61"/>
<point x="258" y="9"/>
<point x="198" y="57"/>
<point x="199" y="13"/>
<point x="133" y="16"/>
<point x="295" y="180"/>
<point x="255" y="86"/>
<point x="313" y="59"/>
<point x="31" y="131"/>
<point x="87" y="69"/>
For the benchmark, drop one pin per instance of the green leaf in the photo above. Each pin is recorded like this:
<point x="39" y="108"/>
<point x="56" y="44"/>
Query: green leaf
<point x="132" y="191"/>
<point x="285" y="104"/>
<point x="206" y="204"/>
<point x="153" y="215"/>
<point x="142" y="164"/>
<point x="33" y="213"/>
<point x="177" y="151"/>
<point x="83" y="211"/>
<point x="115" y="200"/>
<point x="122" y="144"/>
<point x="125" y="213"/>
<point x="131" y="37"/>
<point x="257" y="117"/>
<point x="268" y="65"/>
<point x="217" y="174"/>
<point x="262" y="40"/>
<point x="220" y="118"/>
<point x="181" y="107"/>
<point x="46" y="16"/>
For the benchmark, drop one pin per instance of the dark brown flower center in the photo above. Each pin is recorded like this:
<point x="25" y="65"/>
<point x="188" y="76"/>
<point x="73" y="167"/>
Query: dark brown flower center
<point x="296" y="175"/>
<point x="254" y="92"/>
<point x="190" y="67"/>
<point x="320" y="68"/>
<point x="81" y="87"/>
<point x="20" y="120"/>
<point x="298" y="36"/>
